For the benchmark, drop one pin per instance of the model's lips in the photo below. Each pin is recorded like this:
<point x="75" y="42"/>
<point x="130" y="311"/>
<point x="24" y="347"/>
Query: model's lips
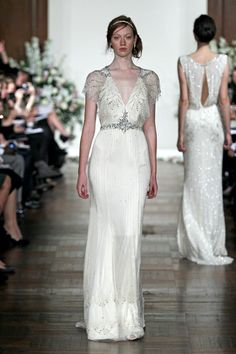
<point x="123" y="49"/>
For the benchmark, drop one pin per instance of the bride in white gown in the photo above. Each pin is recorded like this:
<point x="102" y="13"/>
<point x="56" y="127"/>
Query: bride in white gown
<point x="203" y="78"/>
<point x="122" y="172"/>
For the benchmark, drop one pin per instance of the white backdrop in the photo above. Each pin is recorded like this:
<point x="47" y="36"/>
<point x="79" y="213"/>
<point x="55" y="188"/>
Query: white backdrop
<point x="78" y="30"/>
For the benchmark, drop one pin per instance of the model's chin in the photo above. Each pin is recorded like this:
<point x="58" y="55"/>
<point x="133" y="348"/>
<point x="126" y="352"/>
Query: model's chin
<point x="124" y="54"/>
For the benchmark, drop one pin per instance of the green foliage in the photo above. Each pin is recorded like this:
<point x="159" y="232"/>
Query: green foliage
<point x="223" y="47"/>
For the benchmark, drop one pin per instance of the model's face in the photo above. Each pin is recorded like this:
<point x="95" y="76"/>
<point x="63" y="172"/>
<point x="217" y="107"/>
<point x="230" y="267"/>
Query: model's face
<point x="122" y="41"/>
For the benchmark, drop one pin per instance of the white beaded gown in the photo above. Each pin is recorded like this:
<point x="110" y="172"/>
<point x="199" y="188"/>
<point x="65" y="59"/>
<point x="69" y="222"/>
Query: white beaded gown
<point x="201" y="228"/>
<point x="119" y="174"/>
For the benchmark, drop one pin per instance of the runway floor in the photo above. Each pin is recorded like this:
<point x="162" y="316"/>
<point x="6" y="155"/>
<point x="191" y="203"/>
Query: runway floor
<point x="188" y="308"/>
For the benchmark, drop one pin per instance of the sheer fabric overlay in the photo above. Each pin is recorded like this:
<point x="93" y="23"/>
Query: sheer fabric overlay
<point x="201" y="228"/>
<point x="119" y="173"/>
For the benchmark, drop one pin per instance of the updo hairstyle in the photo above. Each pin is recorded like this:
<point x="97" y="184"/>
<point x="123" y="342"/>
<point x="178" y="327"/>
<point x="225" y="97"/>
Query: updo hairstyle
<point x="204" y="28"/>
<point x="125" y="21"/>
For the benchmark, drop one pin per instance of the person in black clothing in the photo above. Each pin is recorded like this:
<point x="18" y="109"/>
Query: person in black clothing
<point x="232" y="87"/>
<point x="5" y="188"/>
<point x="10" y="233"/>
<point x="45" y="150"/>
<point x="9" y="228"/>
<point x="19" y="109"/>
<point x="229" y="160"/>
<point x="5" y="68"/>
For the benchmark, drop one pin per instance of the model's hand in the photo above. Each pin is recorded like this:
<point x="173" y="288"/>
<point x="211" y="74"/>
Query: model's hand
<point x="152" y="191"/>
<point x="228" y="141"/>
<point x="82" y="186"/>
<point x="180" y="144"/>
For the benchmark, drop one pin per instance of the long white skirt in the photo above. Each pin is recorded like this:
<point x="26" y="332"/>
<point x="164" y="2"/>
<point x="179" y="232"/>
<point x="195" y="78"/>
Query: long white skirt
<point x="119" y="173"/>
<point x="201" y="229"/>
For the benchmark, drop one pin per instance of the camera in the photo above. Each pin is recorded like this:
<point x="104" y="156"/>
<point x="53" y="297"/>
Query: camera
<point x="11" y="148"/>
<point x="11" y="96"/>
<point x="12" y="145"/>
<point x="25" y="87"/>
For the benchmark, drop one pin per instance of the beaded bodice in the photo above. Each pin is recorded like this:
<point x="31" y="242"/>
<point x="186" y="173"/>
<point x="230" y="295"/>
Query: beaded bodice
<point x="196" y="73"/>
<point x="113" y="112"/>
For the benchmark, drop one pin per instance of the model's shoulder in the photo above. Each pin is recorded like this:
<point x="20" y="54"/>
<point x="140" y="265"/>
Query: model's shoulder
<point x="152" y="83"/>
<point x="148" y="74"/>
<point x="222" y="57"/>
<point x="184" y="56"/>
<point x="222" y="60"/>
<point x="96" y="76"/>
<point x="183" y="59"/>
<point x="96" y="73"/>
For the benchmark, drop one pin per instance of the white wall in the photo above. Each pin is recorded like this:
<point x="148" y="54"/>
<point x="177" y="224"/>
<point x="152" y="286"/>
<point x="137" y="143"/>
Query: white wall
<point x="78" y="29"/>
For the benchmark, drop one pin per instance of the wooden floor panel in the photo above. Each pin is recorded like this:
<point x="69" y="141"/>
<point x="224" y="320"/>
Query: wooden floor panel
<point x="188" y="308"/>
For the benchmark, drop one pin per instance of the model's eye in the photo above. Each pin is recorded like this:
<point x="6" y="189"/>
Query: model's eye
<point x="115" y="38"/>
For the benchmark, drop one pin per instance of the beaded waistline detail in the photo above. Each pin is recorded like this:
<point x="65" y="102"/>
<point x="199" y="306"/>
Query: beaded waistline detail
<point x="123" y="124"/>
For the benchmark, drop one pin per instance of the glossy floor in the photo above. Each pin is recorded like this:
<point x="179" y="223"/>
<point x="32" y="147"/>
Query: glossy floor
<point x="188" y="308"/>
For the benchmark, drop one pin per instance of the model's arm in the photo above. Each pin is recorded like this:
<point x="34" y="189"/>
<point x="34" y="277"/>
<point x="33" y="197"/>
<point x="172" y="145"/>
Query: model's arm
<point x="224" y="104"/>
<point x="85" y="145"/>
<point x="183" y="106"/>
<point x="149" y="129"/>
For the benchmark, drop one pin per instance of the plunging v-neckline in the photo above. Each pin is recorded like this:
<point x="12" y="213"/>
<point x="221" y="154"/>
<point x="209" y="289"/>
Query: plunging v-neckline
<point x="118" y="90"/>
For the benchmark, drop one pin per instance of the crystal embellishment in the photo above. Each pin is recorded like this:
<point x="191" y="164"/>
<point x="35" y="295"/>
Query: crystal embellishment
<point x="123" y="124"/>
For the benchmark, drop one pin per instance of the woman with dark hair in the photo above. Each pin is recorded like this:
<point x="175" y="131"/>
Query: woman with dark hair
<point x="122" y="171"/>
<point x="203" y="78"/>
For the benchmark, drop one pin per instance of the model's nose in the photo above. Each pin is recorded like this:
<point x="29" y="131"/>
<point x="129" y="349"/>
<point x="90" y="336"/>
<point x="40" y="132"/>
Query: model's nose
<point x="122" y="41"/>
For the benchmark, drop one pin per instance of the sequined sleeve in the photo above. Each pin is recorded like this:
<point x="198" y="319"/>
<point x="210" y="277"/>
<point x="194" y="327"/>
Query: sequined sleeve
<point x="153" y="86"/>
<point x="93" y="85"/>
<point x="182" y="61"/>
<point x="223" y="60"/>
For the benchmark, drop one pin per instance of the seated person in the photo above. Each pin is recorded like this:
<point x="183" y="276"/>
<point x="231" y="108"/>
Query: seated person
<point x="9" y="229"/>
<point x="22" y="78"/>
<point x="5" y="187"/>
<point x="230" y="170"/>
<point x="20" y="106"/>
<point x="44" y="111"/>
<point x="232" y="95"/>
<point x="10" y="233"/>
<point x="5" y="68"/>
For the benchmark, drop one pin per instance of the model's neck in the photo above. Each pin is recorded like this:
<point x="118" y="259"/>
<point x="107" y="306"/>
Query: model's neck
<point x="203" y="46"/>
<point x="122" y="63"/>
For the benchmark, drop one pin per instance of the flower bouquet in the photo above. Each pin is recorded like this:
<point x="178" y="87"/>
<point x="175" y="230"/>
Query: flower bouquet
<point x="223" y="47"/>
<point x="52" y="87"/>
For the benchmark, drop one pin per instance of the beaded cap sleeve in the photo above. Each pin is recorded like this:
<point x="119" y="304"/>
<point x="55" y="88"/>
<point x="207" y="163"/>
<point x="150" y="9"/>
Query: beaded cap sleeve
<point x="152" y="83"/>
<point x="93" y="84"/>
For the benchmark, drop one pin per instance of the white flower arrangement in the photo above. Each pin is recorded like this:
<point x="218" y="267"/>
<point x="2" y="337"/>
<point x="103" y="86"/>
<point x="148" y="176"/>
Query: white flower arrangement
<point x="223" y="47"/>
<point x="52" y="87"/>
